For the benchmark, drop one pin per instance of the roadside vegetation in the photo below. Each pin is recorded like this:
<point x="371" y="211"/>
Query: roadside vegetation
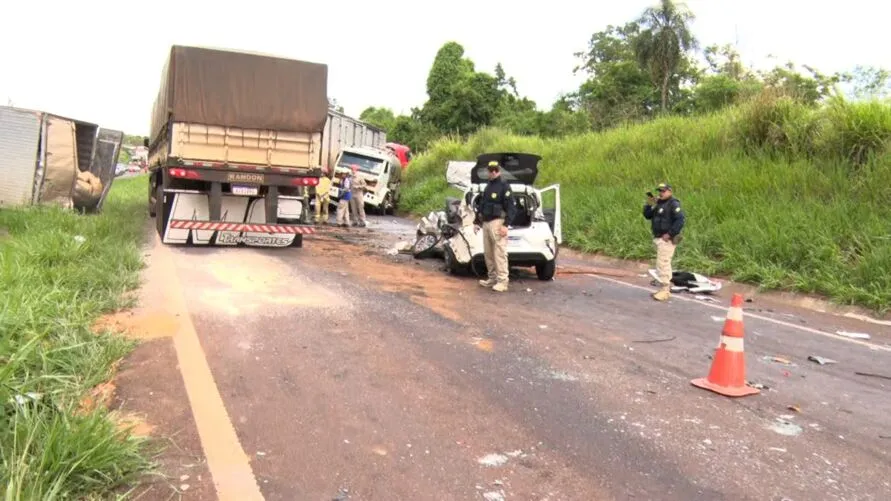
<point x="58" y="272"/>
<point x="776" y="194"/>
<point x="784" y="173"/>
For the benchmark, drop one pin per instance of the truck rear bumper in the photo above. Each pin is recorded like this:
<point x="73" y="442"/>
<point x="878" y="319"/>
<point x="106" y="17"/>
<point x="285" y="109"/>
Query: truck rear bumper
<point x="295" y="229"/>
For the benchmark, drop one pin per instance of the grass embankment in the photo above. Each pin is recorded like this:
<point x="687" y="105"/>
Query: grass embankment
<point x="58" y="272"/>
<point x="776" y="194"/>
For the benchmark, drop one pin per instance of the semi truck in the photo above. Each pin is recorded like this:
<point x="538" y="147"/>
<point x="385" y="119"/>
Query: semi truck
<point x="236" y="142"/>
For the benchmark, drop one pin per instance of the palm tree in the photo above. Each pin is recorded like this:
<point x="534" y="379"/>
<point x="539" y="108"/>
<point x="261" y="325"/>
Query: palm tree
<point x="664" y="41"/>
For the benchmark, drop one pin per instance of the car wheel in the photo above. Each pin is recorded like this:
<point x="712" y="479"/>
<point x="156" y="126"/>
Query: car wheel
<point x="546" y="270"/>
<point x="387" y="205"/>
<point x="424" y="246"/>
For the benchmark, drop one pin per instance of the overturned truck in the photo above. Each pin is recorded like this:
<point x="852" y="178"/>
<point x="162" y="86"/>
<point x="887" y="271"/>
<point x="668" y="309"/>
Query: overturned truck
<point x="236" y="142"/>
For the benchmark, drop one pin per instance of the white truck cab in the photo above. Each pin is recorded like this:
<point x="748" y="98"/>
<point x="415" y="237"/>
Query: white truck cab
<point x="381" y="170"/>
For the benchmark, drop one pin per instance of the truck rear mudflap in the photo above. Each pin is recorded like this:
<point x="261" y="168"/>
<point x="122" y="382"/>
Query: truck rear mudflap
<point x="185" y="218"/>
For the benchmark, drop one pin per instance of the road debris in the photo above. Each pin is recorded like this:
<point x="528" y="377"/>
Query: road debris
<point x="777" y="449"/>
<point x="718" y="319"/>
<point x="784" y="427"/>
<point x="867" y="374"/>
<point x="778" y="360"/>
<point x="853" y="335"/>
<point x="494" y="496"/>
<point x="758" y="386"/>
<point x="794" y="408"/>
<point x="821" y="360"/>
<point x="493" y="459"/>
<point x="661" y="340"/>
<point x="706" y="299"/>
<point x="343" y="495"/>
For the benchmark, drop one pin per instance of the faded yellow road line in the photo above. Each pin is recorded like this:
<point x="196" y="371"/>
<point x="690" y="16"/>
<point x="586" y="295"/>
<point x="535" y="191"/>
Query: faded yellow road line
<point x="228" y="464"/>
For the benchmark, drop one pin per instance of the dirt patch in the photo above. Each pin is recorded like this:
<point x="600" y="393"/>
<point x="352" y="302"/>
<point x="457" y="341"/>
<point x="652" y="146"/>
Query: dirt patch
<point x="436" y="291"/>
<point x="99" y="396"/>
<point x="139" y="324"/>
<point x="246" y="282"/>
<point x="136" y="424"/>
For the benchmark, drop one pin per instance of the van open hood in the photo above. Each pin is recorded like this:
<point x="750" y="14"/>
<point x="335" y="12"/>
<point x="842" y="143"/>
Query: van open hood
<point x="515" y="167"/>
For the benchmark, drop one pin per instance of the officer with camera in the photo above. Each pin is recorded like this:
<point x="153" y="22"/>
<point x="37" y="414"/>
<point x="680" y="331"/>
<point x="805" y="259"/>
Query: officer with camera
<point x="667" y="222"/>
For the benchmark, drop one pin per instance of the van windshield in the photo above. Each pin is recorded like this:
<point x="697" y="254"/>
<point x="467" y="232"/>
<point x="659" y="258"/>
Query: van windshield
<point x="366" y="164"/>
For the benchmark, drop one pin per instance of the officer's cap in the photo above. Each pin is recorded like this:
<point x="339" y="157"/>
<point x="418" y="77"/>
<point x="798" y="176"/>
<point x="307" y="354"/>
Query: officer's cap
<point x="493" y="165"/>
<point x="663" y="187"/>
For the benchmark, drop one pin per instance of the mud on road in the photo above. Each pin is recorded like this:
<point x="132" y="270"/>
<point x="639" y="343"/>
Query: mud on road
<point x="346" y="373"/>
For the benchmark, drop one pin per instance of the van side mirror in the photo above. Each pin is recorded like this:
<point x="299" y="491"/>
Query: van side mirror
<point x="145" y="142"/>
<point x="386" y="167"/>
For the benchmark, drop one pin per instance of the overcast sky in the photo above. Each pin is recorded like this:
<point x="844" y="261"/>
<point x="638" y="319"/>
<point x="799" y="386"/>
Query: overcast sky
<point x="100" y="61"/>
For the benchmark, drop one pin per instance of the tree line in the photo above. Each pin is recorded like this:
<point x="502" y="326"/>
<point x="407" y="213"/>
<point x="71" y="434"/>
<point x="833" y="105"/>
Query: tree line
<point x="635" y="72"/>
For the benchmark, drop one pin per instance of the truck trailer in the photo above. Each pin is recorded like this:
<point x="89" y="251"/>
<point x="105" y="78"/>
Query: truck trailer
<point x="235" y="144"/>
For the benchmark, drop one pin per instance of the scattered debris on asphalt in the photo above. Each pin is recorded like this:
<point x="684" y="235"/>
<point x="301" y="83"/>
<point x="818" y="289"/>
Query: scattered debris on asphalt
<point x="884" y="436"/>
<point x="494" y="496"/>
<point x="794" y="408"/>
<point x="685" y="281"/>
<point x="718" y="319"/>
<point x="784" y="427"/>
<point x="867" y="374"/>
<point x="705" y="298"/>
<point x="343" y="495"/>
<point x="493" y="459"/>
<point x="661" y="340"/>
<point x="821" y="360"/>
<point x="777" y="449"/>
<point x="853" y="335"/>
<point x="758" y="386"/>
<point x="778" y="360"/>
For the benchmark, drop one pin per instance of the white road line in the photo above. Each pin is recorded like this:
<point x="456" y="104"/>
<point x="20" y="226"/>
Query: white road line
<point x="872" y="346"/>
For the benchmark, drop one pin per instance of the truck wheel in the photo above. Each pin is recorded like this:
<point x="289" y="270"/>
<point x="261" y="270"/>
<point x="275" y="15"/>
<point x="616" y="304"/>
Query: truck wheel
<point x="298" y="241"/>
<point x="162" y="210"/>
<point x="387" y="204"/>
<point x="546" y="270"/>
<point x="151" y="199"/>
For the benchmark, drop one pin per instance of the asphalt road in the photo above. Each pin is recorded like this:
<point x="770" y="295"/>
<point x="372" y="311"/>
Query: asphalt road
<point x="347" y="373"/>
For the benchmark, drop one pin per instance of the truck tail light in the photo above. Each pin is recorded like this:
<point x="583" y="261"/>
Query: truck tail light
<point x="305" y="181"/>
<point x="185" y="173"/>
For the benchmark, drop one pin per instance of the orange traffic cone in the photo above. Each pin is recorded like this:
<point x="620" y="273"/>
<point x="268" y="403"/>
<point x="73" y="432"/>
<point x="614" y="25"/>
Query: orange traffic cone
<point x="728" y="373"/>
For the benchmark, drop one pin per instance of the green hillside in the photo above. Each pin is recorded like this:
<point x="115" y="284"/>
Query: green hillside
<point x="777" y="193"/>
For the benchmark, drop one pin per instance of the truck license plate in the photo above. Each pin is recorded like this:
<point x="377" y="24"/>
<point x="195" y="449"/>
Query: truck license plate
<point x="245" y="190"/>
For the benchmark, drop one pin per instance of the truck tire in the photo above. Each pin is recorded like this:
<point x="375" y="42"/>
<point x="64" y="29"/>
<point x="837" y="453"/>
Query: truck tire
<point x="387" y="205"/>
<point x="546" y="270"/>
<point x="162" y="210"/>
<point x="298" y="241"/>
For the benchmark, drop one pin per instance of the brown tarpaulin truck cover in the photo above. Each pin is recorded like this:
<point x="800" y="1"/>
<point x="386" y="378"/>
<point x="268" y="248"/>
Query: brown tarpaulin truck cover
<point x="240" y="89"/>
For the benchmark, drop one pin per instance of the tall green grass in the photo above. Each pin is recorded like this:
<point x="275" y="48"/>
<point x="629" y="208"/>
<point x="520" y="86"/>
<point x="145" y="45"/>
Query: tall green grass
<point x="776" y="194"/>
<point x="58" y="272"/>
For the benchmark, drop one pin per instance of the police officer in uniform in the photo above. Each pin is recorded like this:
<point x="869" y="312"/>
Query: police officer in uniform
<point x="496" y="212"/>
<point x="667" y="220"/>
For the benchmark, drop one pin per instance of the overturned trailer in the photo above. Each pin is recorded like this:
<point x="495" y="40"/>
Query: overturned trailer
<point x="48" y="159"/>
